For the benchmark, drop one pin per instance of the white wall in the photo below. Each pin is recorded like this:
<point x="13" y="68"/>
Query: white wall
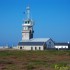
<point x="61" y="46"/>
<point x="15" y="47"/>
<point x="29" y="47"/>
<point x="25" y="36"/>
<point x="3" y="47"/>
<point x="41" y="47"/>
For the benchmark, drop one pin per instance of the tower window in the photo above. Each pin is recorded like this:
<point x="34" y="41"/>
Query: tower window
<point x="25" y="21"/>
<point x="25" y="28"/>
<point x="28" y="21"/>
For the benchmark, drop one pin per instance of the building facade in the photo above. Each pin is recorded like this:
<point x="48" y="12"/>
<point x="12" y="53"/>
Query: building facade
<point x="36" y="44"/>
<point x="30" y="43"/>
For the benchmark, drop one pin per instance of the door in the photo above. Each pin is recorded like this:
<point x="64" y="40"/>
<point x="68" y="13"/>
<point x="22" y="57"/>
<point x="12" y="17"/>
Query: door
<point x="20" y="47"/>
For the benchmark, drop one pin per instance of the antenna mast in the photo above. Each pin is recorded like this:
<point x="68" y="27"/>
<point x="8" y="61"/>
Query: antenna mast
<point x="28" y="12"/>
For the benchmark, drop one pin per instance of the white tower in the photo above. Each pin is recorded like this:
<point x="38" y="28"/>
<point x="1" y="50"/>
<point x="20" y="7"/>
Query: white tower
<point x="27" y="32"/>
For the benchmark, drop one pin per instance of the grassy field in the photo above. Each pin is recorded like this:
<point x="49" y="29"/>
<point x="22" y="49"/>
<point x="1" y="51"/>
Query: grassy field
<point x="34" y="60"/>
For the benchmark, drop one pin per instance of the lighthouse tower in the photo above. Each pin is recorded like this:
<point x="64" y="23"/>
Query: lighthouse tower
<point x="27" y="32"/>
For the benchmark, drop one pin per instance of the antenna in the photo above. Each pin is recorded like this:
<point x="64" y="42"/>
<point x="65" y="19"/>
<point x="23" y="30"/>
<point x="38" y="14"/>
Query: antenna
<point x="28" y="12"/>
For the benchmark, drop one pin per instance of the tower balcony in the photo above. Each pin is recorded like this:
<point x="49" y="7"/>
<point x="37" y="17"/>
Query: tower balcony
<point x="25" y="31"/>
<point x="27" y="24"/>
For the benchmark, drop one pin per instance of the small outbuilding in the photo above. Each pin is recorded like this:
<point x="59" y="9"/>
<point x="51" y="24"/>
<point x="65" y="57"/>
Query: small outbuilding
<point x="61" y="46"/>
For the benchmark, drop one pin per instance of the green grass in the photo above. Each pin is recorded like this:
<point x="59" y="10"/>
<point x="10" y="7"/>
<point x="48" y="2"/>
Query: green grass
<point x="34" y="60"/>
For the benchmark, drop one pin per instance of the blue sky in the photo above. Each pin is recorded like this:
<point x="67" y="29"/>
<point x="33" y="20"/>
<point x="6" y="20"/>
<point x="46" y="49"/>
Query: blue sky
<point x="51" y="17"/>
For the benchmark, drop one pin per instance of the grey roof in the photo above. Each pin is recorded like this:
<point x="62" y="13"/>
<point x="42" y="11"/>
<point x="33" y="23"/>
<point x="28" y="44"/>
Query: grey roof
<point x="61" y="43"/>
<point x="34" y="41"/>
<point x="31" y="43"/>
<point x="37" y="40"/>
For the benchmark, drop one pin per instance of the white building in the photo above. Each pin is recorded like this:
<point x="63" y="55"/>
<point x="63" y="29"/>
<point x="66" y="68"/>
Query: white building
<point x="30" y="43"/>
<point x="36" y="44"/>
<point x="4" y="47"/>
<point x="61" y="46"/>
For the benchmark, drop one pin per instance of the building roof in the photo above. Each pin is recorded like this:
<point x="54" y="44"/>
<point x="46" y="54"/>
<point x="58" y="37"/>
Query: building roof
<point x="61" y="43"/>
<point x="36" y="40"/>
<point x="31" y="43"/>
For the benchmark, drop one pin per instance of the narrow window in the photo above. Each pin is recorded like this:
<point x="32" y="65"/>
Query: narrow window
<point x="35" y="48"/>
<point x="31" y="48"/>
<point x="49" y="42"/>
<point x="39" y="48"/>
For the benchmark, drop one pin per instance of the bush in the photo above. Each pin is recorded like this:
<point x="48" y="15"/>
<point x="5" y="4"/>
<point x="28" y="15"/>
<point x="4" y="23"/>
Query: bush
<point x="57" y="67"/>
